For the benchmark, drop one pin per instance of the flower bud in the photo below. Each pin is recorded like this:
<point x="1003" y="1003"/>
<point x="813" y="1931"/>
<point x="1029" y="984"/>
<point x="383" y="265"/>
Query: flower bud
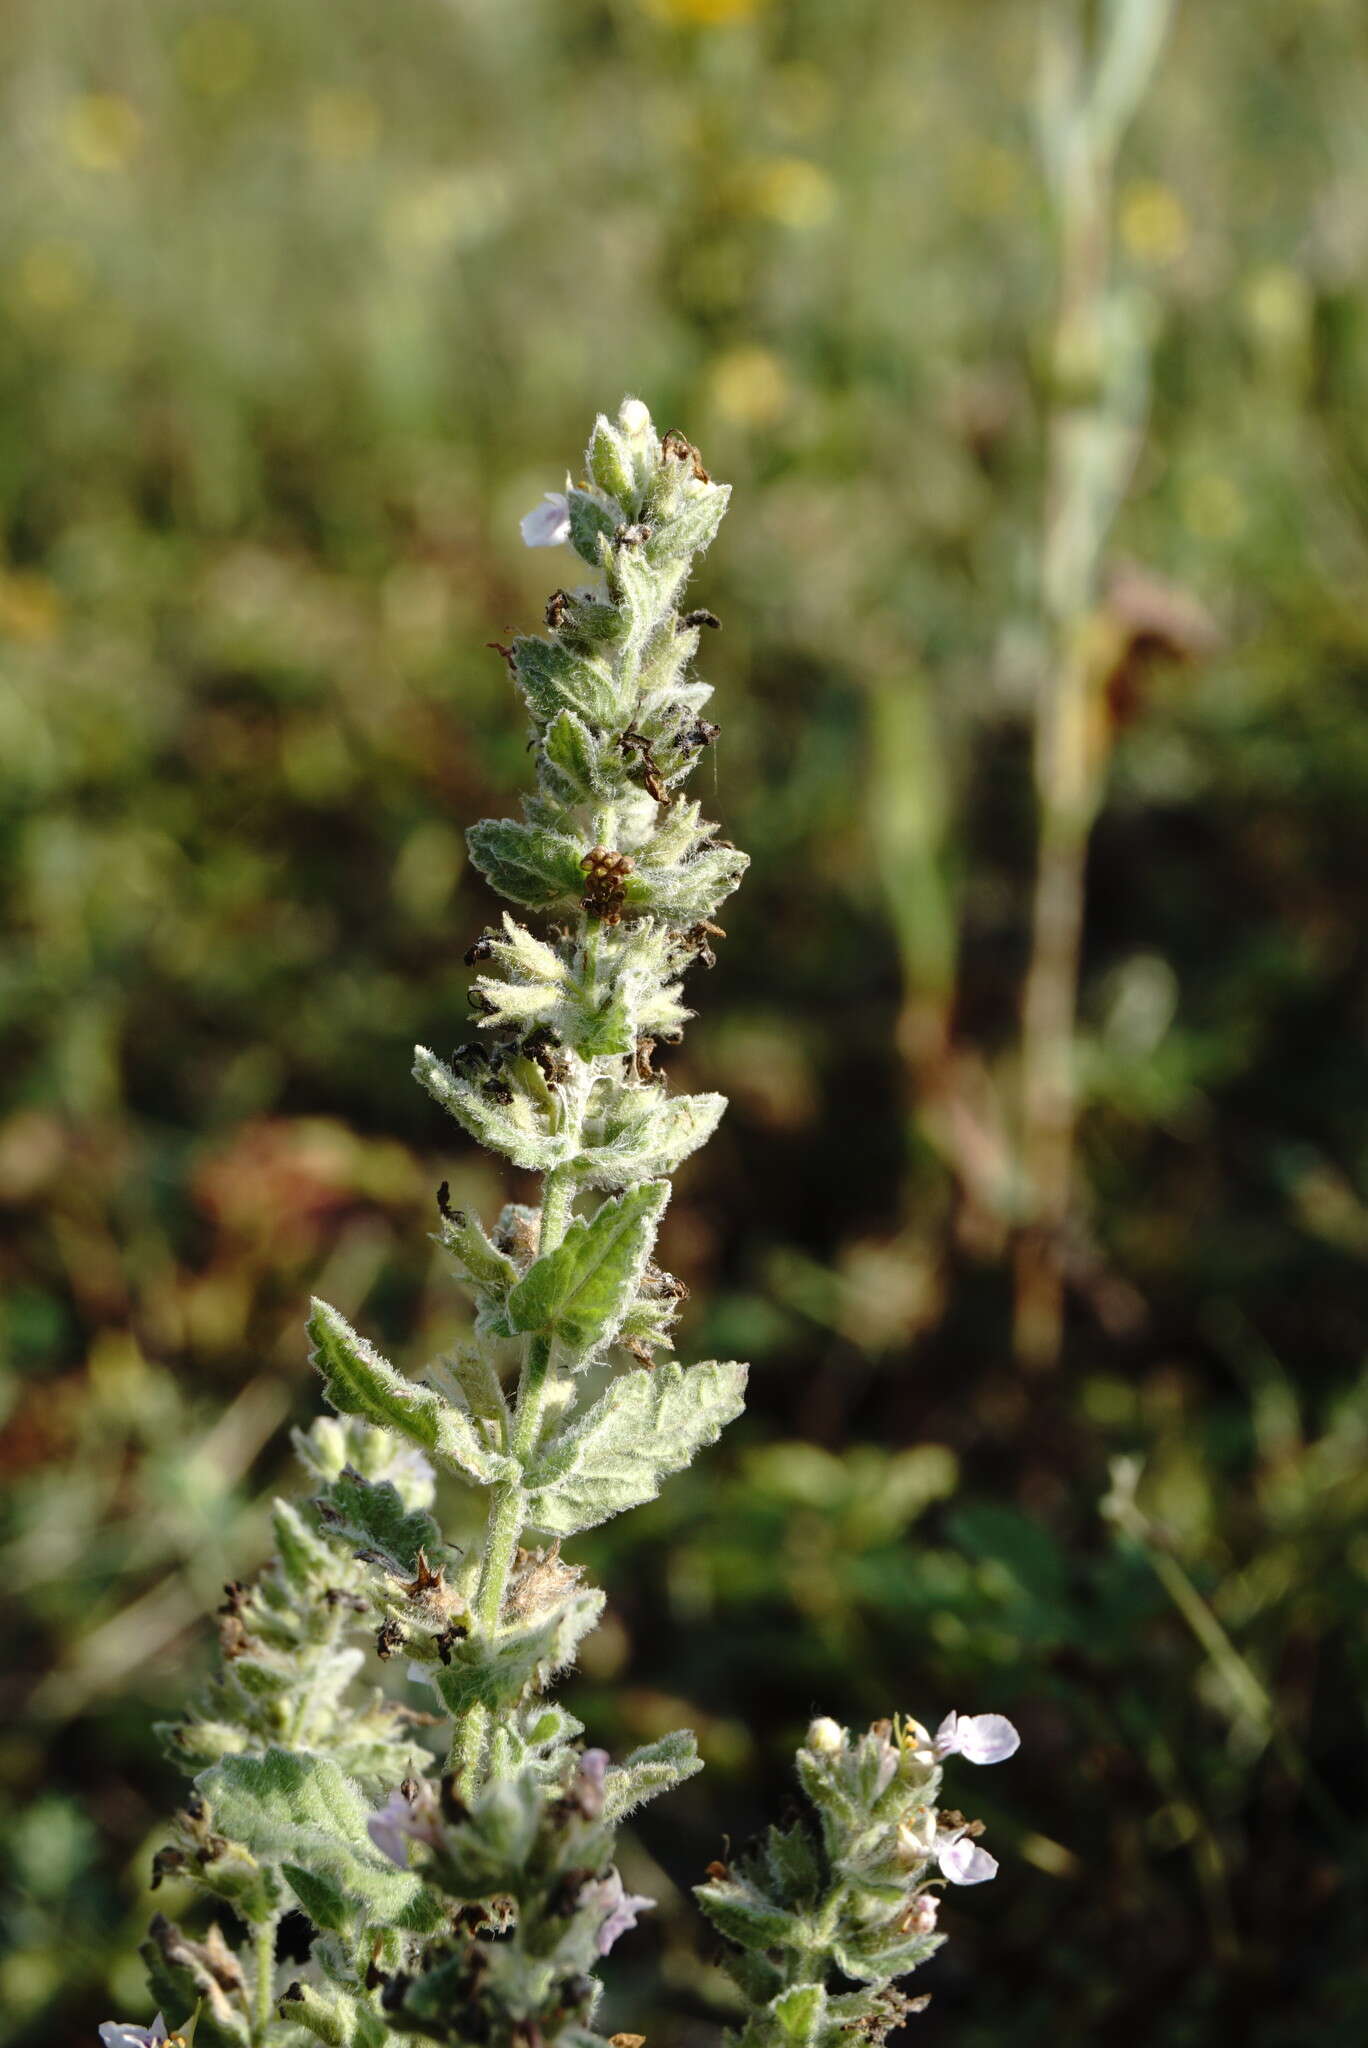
<point x="634" y="418"/>
<point x="826" y="1736"/>
<point x="922" y="1917"/>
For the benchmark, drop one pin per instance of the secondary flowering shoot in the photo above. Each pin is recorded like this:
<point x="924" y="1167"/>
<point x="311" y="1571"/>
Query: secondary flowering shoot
<point x="813" y="1909"/>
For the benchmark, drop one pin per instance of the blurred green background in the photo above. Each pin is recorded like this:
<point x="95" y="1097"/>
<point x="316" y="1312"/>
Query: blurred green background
<point x="301" y="305"/>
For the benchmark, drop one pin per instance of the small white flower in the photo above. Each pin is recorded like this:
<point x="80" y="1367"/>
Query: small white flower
<point x="634" y="418"/>
<point x="547" y="525"/>
<point x="963" y="1862"/>
<point x="978" y="1738"/>
<point x="124" y="2034"/>
<point x="921" y="1916"/>
<point x="826" y="1736"/>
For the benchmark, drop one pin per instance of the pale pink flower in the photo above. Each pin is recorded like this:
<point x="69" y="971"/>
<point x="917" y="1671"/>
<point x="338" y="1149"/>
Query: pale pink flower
<point x="406" y="1816"/>
<point x="587" y="1783"/>
<point x="978" y="1738"/>
<point x="962" y="1861"/>
<point x="618" y="1907"/>
<point x="547" y="525"/>
<point x="922" y="1918"/>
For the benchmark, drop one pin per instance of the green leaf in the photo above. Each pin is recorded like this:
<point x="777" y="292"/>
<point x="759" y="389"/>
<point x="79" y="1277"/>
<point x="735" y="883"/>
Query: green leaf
<point x="305" y="1559"/>
<point x="799" y="2012"/>
<point x="332" y="1442"/>
<point x="692" y="889"/>
<point x="611" y="1030"/>
<point x="496" y="1671"/>
<point x="838" y="1810"/>
<point x="647" y="1425"/>
<point x="746" y="1917"/>
<point x="487" y="1272"/>
<point x="580" y="767"/>
<point x="516" y="1129"/>
<point x="480" y="1263"/>
<point x="794" y="1867"/>
<point x="869" y="1963"/>
<point x="646" y="1133"/>
<point x="199" y="1977"/>
<point x="645" y="592"/>
<point x="358" y="1381"/>
<point x="325" y="1902"/>
<point x="581" y="1289"/>
<point x="555" y="678"/>
<point x="654" y="1768"/>
<point x="692" y="526"/>
<point x="477" y="1381"/>
<point x="195" y="1742"/>
<point x="610" y="464"/>
<point x="331" y="2016"/>
<point x="263" y="1681"/>
<point x="585" y="620"/>
<point x="528" y="863"/>
<point x="374" y="1518"/>
<point x="304" y="1815"/>
<point x="592" y="523"/>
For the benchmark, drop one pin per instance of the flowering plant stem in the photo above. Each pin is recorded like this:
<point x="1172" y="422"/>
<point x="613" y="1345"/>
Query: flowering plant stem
<point x="473" y="1904"/>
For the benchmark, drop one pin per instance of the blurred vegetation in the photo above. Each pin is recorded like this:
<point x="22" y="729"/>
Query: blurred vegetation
<point x="301" y="306"/>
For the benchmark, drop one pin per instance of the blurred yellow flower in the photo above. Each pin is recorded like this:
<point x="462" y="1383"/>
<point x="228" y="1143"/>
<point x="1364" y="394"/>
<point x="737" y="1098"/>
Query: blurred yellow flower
<point x="343" y="126"/>
<point x="749" y="385"/>
<point x="791" y="190"/>
<point x="102" y="131"/>
<point x="1278" y="305"/>
<point x="706" y="13"/>
<point x="30" y="608"/>
<point x="50" y="277"/>
<point x="1154" y="227"/>
<point x="217" y="55"/>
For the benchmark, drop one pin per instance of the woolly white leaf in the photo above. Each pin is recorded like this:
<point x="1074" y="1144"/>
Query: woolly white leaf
<point x="647" y="1425"/>
<point x="358" y="1381"/>
<point x="305" y="1816"/>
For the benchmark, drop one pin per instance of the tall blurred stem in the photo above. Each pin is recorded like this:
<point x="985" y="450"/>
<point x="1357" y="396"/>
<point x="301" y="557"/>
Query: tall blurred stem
<point x="908" y="821"/>
<point x="1096" y="63"/>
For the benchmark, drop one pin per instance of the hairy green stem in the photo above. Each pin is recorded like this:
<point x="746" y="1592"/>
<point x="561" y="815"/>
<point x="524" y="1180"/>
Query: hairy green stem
<point x="264" y="1937"/>
<point x="558" y="1193"/>
<point x="509" y="1502"/>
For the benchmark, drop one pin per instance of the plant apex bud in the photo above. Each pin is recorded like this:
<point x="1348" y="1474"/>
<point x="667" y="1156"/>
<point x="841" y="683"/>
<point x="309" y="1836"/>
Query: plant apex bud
<point x="634" y="418"/>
